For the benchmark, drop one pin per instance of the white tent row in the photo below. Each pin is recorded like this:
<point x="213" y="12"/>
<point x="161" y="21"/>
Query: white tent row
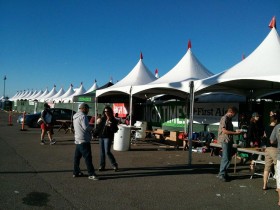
<point x="53" y="95"/>
<point x="173" y="82"/>
<point x="57" y="95"/>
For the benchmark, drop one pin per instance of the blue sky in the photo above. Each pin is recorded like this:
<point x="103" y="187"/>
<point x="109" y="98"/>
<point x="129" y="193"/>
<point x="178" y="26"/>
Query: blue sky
<point x="63" y="42"/>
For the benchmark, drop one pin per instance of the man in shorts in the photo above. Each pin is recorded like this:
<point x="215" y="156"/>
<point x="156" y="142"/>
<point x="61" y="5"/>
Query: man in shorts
<point x="275" y="137"/>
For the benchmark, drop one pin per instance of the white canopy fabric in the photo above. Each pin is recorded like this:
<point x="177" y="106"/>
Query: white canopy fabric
<point x="259" y="72"/>
<point x="33" y="94"/>
<point x="49" y="95"/>
<point x="57" y="95"/>
<point x="139" y="75"/>
<point x="81" y="90"/>
<point x="93" y="87"/>
<point x="38" y="94"/>
<point x="23" y="93"/>
<point x="42" y="95"/>
<point x="14" y="98"/>
<point x="27" y="95"/>
<point x="17" y="94"/>
<point x="187" y="69"/>
<point x="68" y="93"/>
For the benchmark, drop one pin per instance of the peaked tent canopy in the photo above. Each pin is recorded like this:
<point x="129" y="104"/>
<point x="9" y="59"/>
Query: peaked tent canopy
<point x="93" y="87"/>
<point x="68" y="93"/>
<point x="187" y="69"/>
<point x="50" y="94"/>
<point x="43" y="95"/>
<point x="27" y="95"/>
<point x="57" y="95"/>
<point x="33" y="94"/>
<point x="79" y="91"/>
<point x="256" y="75"/>
<point x="40" y="92"/>
<point x="90" y="96"/>
<point x="139" y="75"/>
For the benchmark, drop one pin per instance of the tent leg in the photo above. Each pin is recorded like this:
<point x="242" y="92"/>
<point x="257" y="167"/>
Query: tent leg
<point x="191" y="121"/>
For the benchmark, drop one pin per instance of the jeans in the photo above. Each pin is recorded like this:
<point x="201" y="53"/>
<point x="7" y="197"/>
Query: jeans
<point x="83" y="150"/>
<point x="226" y="158"/>
<point x="105" y="149"/>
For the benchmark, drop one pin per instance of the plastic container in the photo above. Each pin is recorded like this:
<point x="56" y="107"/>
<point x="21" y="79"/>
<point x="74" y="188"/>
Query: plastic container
<point x="122" y="138"/>
<point x="139" y="134"/>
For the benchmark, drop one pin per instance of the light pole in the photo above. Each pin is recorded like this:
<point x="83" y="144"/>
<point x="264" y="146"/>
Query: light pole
<point x="4" y="84"/>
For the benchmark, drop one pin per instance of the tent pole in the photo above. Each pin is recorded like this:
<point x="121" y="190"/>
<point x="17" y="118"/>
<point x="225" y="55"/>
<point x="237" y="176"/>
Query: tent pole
<point x="191" y="121"/>
<point x="95" y="111"/>
<point x="130" y="106"/>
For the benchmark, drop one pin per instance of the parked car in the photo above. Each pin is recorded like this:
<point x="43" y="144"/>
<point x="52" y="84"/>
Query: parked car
<point x="58" y="114"/>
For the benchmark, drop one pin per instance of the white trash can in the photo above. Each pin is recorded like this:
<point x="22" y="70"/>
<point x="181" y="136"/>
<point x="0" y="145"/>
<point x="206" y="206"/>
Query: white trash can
<point x="139" y="134"/>
<point x="122" y="138"/>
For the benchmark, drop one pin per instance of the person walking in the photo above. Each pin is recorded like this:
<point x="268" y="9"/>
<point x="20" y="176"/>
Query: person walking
<point x="270" y="151"/>
<point x="105" y="129"/>
<point x="47" y="125"/>
<point x="275" y="137"/>
<point x="225" y="137"/>
<point x="82" y="141"/>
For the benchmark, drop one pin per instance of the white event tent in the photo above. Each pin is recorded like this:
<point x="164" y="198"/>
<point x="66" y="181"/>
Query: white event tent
<point x="49" y="95"/>
<point x="92" y="88"/>
<point x="38" y="94"/>
<point x="255" y="76"/>
<point x="57" y="95"/>
<point x="42" y="95"/>
<point x="33" y="94"/>
<point x="139" y="75"/>
<point x="69" y="99"/>
<point x="68" y="93"/>
<point x="187" y="69"/>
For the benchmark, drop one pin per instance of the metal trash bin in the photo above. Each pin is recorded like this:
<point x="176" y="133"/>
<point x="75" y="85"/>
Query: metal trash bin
<point x="122" y="138"/>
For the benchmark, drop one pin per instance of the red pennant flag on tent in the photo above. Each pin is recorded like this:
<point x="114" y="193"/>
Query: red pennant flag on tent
<point x="272" y="23"/>
<point x="189" y="44"/>
<point x="156" y="73"/>
<point x="141" y="56"/>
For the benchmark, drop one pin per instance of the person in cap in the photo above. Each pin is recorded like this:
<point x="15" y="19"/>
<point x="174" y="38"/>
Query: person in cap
<point x="47" y="125"/>
<point x="225" y="137"/>
<point x="82" y="141"/>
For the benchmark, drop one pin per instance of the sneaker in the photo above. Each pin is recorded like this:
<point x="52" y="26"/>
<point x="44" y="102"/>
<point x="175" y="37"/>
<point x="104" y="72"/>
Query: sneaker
<point x="93" y="177"/>
<point x="42" y="142"/>
<point x="78" y="175"/>
<point x="116" y="168"/>
<point x="222" y="178"/>
<point x="101" y="169"/>
<point x="53" y="141"/>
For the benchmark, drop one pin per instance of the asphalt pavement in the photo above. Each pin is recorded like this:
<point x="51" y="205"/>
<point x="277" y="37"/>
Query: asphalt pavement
<point x="151" y="176"/>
